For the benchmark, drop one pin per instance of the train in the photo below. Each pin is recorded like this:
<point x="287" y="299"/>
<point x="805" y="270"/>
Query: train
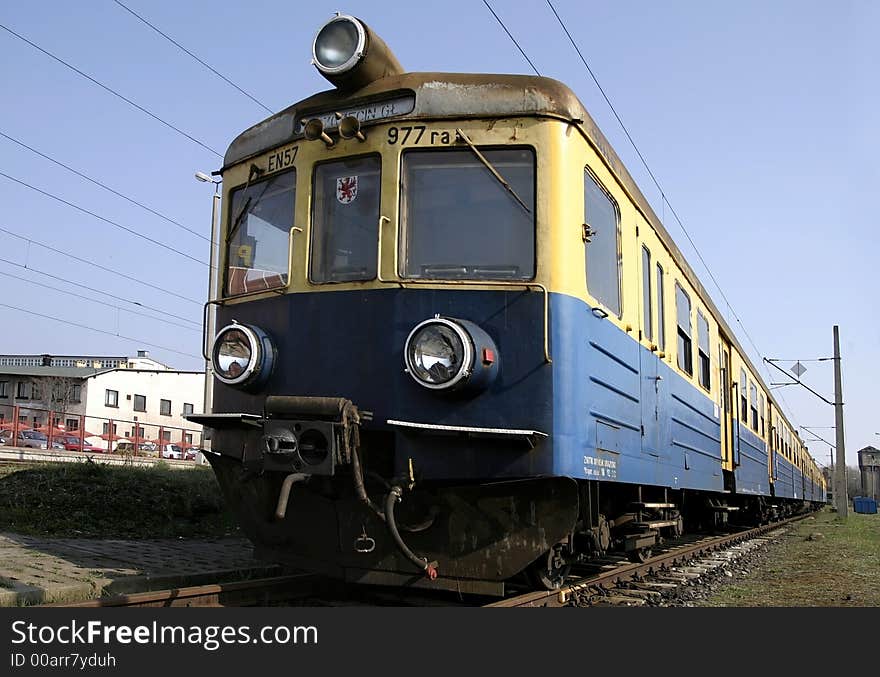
<point x="452" y="345"/>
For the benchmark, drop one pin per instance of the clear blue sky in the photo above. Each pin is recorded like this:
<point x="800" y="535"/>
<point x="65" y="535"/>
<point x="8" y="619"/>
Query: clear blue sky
<point x="758" y="118"/>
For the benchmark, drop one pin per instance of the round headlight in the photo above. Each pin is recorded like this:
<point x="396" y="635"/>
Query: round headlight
<point x="339" y="44"/>
<point x="439" y="353"/>
<point x="239" y="355"/>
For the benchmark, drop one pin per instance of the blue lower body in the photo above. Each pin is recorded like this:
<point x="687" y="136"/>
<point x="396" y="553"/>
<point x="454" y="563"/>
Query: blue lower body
<point x="622" y="414"/>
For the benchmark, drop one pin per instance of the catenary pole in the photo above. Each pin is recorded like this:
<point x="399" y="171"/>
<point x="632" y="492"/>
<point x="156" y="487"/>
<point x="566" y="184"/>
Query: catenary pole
<point x="840" y="497"/>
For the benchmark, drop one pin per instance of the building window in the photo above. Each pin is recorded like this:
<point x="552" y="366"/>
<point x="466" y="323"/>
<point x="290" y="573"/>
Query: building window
<point x="107" y="427"/>
<point x="71" y="424"/>
<point x="137" y="432"/>
<point x="140" y="402"/>
<point x="187" y="408"/>
<point x="166" y="435"/>
<point x="683" y="314"/>
<point x="111" y="398"/>
<point x="703" y="350"/>
<point x="753" y="398"/>
<point x="76" y="394"/>
<point x="189" y="438"/>
<point x="602" y="238"/>
<point x="743" y="397"/>
<point x="661" y="310"/>
<point x="646" y="293"/>
<point x="165" y="407"/>
<point x="23" y="390"/>
<point x="4" y="388"/>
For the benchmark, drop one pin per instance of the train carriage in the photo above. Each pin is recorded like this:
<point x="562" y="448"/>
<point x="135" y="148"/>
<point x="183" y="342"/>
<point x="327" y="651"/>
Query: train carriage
<point x="454" y="345"/>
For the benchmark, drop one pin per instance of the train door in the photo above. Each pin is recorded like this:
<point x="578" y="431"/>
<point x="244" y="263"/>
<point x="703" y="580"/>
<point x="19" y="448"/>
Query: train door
<point x="652" y="399"/>
<point x="772" y="470"/>
<point x="727" y="407"/>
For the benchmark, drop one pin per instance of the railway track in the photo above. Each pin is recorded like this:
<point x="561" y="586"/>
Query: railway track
<point x="605" y="582"/>
<point x="635" y="583"/>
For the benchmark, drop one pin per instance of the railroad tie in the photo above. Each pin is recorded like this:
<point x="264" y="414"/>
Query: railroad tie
<point x="618" y="600"/>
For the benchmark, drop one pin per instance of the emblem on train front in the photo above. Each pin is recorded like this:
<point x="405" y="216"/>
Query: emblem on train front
<point x="346" y="189"/>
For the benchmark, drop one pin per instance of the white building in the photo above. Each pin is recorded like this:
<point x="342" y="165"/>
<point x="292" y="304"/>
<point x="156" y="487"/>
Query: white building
<point x="135" y="396"/>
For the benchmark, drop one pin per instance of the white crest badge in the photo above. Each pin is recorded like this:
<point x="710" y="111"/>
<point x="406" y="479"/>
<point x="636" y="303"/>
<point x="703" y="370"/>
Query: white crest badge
<point x="346" y="189"/>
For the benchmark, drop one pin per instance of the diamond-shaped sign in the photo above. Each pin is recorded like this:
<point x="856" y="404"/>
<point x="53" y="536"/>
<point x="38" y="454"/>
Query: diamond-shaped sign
<point x="798" y="369"/>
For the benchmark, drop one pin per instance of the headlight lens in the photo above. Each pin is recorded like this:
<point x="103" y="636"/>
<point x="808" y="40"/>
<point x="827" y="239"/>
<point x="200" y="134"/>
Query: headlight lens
<point x="439" y="354"/>
<point x="238" y="356"/>
<point x="339" y="44"/>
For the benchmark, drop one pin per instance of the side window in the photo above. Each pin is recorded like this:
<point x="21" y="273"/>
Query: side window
<point x="703" y="340"/>
<point x="646" y="294"/>
<point x="743" y="398"/>
<point x="602" y="238"/>
<point x="683" y="315"/>
<point x="761" y="412"/>
<point x="753" y="398"/>
<point x="661" y="313"/>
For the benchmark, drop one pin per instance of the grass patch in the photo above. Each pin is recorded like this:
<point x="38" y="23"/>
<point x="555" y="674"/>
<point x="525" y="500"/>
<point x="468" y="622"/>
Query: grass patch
<point x="92" y="500"/>
<point x="820" y="562"/>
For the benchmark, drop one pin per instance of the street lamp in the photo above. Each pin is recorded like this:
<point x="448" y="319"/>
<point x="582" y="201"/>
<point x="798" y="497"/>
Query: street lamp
<point x="213" y="281"/>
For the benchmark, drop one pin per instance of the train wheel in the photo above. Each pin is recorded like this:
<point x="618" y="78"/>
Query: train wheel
<point x="640" y="555"/>
<point x="551" y="570"/>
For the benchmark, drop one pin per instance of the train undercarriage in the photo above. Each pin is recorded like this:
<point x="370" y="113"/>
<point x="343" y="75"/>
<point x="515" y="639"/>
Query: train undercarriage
<point x="468" y="537"/>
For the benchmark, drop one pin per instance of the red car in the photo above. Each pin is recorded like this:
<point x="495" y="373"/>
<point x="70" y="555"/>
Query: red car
<point x="72" y="444"/>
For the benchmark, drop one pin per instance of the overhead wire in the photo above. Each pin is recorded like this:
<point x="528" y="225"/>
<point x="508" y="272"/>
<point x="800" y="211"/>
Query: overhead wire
<point x="185" y="50"/>
<point x="97" y="291"/>
<point x="100" y="331"/>
<point x="509" y="35"/>
<point x="664" y="199"/>
<point x="101" y="267"/>
<point x="104" y="186"/>
<point x="106" y="220"/>
<point x="88" y="298"/>
<point x="111" y="91"/>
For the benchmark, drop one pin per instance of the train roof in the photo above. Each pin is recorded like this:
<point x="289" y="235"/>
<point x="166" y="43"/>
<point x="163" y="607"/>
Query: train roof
<point x="476" y="95"/>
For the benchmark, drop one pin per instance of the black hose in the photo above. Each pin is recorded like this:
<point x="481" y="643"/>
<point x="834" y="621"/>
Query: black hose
<point x="430" y="568"/>
<point x="359" y="487"/>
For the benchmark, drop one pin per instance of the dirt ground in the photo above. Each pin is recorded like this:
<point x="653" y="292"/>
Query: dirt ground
<point x="820" y="561"/>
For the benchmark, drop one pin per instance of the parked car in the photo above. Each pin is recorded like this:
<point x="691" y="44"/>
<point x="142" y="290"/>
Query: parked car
<point x="72" y="443"/>
<point x="174" y="451"/>
<point x="5" y="437"/>
<point x="32" y="439"/>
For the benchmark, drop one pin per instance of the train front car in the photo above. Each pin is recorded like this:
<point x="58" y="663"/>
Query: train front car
<point x="383" y="397"/>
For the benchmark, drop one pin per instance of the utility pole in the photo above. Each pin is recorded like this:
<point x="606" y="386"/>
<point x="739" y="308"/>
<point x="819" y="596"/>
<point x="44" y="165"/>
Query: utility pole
<point x="840" y="497"/>
<point x="213" y="293"/>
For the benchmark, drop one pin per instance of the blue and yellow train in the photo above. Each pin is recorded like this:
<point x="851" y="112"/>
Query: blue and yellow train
<point x="453" y="345"/>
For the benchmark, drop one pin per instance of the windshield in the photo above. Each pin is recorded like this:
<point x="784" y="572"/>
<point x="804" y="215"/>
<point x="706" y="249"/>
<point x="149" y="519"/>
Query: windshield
<point x="460" y="222"/>
<point x="260" y="219"/>
<point x="345" y="220"/>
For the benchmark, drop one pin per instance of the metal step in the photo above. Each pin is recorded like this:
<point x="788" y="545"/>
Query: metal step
<point x="659" y="524"/>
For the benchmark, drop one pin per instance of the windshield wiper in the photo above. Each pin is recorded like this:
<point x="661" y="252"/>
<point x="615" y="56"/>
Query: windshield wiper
<point x="237" y="221"/>
<point x="501" y="179"/>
